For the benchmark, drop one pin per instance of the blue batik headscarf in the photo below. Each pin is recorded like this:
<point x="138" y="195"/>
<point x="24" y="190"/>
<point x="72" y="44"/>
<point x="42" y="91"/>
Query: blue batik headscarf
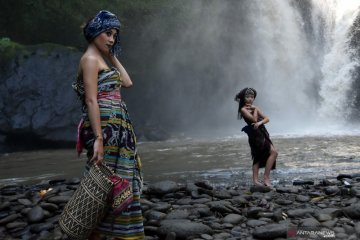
<point x="102" y="22"/>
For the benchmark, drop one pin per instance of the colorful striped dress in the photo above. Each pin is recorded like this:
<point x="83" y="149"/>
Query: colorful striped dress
<point x="119" y="152"/>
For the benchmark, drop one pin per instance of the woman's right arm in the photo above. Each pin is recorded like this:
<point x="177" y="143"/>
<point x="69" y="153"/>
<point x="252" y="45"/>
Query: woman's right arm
<point x="248" y="115"/>
<point x="90" y="68"/>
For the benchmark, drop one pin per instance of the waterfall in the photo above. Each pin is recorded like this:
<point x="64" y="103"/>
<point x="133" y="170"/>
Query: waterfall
<point x="296" y="54"/>
<point x="304" y="64"/>
<point x="336" y="104"/>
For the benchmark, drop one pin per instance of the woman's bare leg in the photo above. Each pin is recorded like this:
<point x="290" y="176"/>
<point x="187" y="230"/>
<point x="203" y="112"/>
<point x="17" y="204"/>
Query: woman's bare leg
<point x="269" y="163"/>
<point x="256" y="174"/>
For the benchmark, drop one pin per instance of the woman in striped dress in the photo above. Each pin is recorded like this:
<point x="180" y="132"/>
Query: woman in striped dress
<point x="105" y="129"/>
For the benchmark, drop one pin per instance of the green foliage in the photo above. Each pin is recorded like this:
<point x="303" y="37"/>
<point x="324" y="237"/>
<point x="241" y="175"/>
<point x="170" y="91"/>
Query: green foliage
<point x="9" y="48"/>
<point x="59" y="21"/>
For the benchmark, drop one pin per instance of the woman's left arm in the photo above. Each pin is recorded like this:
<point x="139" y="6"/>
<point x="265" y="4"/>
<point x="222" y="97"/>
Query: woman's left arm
<point x="126" y="81"/>
<point x="264" y="120"/>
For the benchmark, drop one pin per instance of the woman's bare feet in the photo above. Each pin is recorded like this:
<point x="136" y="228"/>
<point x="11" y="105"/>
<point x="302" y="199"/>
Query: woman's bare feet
<point x="258" y="183"/>
<point x="267" y="182"/>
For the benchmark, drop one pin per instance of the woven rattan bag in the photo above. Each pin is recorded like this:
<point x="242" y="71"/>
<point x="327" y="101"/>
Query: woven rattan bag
<point x="88" y="204"/>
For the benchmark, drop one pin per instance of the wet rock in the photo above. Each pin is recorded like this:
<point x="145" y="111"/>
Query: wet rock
<point x="25" y="211"/>
<point x="206" y="237"/>
<point x="204" y="184"/>
<point x="183" y="228"/>
<point x="257" y="188"/>
<point x="200" y="201"/>
<point x="332" y="190"/>
<point x="163" y="187"/>
<point x="236" y="231"/>
<point x="268" y="215"/>
<point x="67" y="193"/>
<point x="223" y="235"/>
<point x="154" y="215"/>
<point x="255" y="223"/>
<point x="25" y="202"/>
<point x="233" y="219"/>
<point x="349" y="229"/>
<point x="239" y="200"/>
<point x="73" y="181"/>
<point x="351" y="201"/>
<point x="281" y="189"/>
<point x="357" y="229"/>
<point x="330" y="223"/>
<point x="170" y="236"/>
<point x="12" y="225"/>
<point x="204" y="191"/>
<point x="23" y="233"/>
<point x="202" y="212"/>
<point x="347" y="182"/>
<point x="334" y="212"/>
<point x="8" y="219"/>
<point x="10" y="190"/>
<point x="36" y="214"/>
<point x="322" y="217"/>
<point x="283" y="202"/>
<point x="254" y="211"/>
<point x="5" y="205"/>
<point x="161" y="207"/>
<point x="56" y="182"/>
<point x="355" y="191"/>
<point x="57" y="234"/>
<point x="184" y="201"/>
<point x="59" y="199"/>
<point x="352" y="211"/>
<point x="49" y="206"/>
<point x="150" y="230"/>
<point x="222" y="194"/>
<point x="178" y="214"/>
<point x="36" y="228"/>
<point x="191" y="187"/>
<point x="300" y="213"/>
<point x="341" y="176"/>
<point x="315" y="194"/>
<point x="302" y="198"/>
<point x="326" y="182"/>
<point x="303" y="182"/>
<point x="309" y="222"/>
<point x="4" y="214"/>
<point x="271" y="231"/>
<point x="220" y="206"/>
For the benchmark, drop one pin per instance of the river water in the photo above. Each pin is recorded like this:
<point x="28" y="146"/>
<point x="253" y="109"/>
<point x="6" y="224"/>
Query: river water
<point x="222" y="161"/>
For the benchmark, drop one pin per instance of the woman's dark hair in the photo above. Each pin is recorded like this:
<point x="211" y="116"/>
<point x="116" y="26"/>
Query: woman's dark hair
<point x="240" y="97"/>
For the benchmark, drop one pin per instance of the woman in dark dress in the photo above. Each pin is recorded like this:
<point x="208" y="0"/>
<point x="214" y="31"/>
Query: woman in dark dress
<point x="262" y="149"/>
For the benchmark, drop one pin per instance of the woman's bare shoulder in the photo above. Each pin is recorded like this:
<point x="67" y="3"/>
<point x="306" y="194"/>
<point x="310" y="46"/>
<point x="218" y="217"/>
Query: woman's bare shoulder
<point x="89" y="62"/>
<point x="89" y="59"/>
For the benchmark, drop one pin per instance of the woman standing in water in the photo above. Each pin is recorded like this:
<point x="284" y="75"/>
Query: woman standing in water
<point x="105" y="129"/>
<point x="262" y="149"/>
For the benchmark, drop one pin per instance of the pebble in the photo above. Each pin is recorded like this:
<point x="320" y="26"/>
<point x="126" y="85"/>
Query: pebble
<point x="198" y="210"/>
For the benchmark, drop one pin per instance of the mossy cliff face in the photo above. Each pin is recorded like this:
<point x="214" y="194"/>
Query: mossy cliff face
<point x="35" y="91"/>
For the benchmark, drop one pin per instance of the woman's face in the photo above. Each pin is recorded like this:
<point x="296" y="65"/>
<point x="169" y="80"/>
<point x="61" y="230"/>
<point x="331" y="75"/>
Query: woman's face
<point x="105" y="40"/>
<point x="249" y="99"/>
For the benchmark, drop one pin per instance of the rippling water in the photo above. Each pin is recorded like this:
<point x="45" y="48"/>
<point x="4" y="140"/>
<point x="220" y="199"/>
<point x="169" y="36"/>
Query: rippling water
<point x="221" y="161"/>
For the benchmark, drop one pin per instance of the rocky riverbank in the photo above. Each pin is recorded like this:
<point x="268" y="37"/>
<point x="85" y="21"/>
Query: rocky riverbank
<point x="198" y="210"/>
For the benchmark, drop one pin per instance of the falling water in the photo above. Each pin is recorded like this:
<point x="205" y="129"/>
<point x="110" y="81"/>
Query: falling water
<point x="295" y="53"/>
<point x="336" y="105"/>
<point x="304" y="64"/>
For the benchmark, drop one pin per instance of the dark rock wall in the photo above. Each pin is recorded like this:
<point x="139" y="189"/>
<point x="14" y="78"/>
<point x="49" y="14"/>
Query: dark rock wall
<point x="36" y="98"/>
